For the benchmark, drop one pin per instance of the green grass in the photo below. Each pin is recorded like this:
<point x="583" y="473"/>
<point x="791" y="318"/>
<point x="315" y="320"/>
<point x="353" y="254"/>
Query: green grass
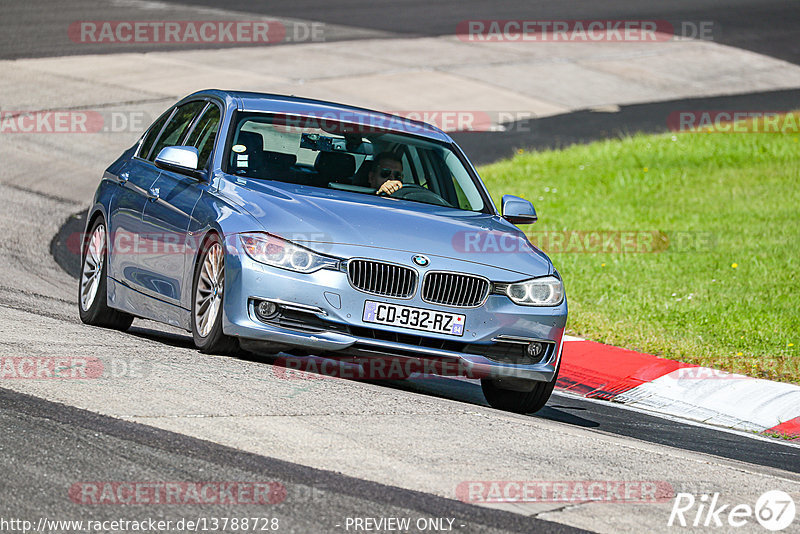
<point x="728" y="295"/>
<point x="778" y="435"/>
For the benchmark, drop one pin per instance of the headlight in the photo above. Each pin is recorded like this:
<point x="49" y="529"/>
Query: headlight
<point x="545" y="291"/>
<point x="272" y="250"/>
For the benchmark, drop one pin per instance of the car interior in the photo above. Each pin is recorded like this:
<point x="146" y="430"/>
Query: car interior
<point x="333" y="159"/>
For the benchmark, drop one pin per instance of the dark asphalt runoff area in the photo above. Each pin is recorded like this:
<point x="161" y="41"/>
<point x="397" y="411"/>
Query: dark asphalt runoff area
<point x="38" y="28"/>
<point x="47" y="448"/>
<point x="765" y="26"/>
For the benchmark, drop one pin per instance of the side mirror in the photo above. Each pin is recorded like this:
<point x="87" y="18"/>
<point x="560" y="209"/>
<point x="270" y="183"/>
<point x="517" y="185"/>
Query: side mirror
<point x="180" y="159"/>
<point x="517" y="210"/>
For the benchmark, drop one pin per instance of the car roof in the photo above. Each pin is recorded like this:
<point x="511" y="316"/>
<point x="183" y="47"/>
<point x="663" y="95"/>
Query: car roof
<point x="293" y="105"/>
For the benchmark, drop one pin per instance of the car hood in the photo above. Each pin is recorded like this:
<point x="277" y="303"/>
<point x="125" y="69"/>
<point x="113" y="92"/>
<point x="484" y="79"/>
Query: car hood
<point x="321" y="219"/>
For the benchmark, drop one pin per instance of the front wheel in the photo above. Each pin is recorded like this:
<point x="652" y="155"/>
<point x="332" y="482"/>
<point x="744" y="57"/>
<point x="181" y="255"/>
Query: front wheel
<point x="513" y="395"/>
<point x="208" y="290"/>
<point x="92" y="289"/>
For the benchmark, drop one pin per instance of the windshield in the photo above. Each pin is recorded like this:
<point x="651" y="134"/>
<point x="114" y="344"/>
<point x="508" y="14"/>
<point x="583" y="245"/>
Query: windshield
<point x="322" y="153"/>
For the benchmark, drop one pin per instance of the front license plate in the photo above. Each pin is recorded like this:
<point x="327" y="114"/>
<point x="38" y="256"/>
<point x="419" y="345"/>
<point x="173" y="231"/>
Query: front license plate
<point x="414" y="318"/>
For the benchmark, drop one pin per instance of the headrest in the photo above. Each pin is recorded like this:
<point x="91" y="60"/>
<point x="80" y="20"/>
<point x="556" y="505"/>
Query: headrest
<point x="335" y="164"/>
<point x="252" y="140"/>
<point x="279" y="159"/>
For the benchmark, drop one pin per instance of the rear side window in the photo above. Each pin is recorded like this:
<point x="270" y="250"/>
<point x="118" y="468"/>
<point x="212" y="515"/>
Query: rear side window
<point x="177" y="126"/>
<point x="152" y="133"/>
<point x="204" y="134"/>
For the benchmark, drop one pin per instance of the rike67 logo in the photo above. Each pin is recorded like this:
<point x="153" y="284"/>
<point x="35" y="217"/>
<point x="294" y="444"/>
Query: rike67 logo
<point x="774" y="510"/>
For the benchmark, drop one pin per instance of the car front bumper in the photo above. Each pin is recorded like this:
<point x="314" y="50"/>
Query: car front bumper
<point x="335" y="327"/>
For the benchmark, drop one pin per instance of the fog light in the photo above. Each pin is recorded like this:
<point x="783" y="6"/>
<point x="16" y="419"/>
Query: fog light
<point x="535" y="349"/>
<point x="266" y="310"/>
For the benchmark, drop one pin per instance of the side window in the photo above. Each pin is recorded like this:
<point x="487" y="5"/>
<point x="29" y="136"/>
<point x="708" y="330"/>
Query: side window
<point x="177" y="126"/>
<point x="152" y="133"/>
<point x="204" y="134"/>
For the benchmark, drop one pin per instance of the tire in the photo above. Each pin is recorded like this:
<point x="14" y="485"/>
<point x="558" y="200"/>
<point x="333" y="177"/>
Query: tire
<point x="93" y="282"/>
<point x="208" y="292"/>
<point x="512" y="400"/>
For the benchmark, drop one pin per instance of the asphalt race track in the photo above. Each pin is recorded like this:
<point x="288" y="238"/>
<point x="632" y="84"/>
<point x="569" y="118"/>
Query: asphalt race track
<point x="339" y="449"/>
<point x="111" y="449"/>
<point x="767" y="27"/>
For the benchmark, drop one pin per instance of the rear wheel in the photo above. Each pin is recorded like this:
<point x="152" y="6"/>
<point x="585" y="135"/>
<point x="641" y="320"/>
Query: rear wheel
<point x="208" y="290"/>
<point x="92" y="288"/>
<point x="513" y="395"/>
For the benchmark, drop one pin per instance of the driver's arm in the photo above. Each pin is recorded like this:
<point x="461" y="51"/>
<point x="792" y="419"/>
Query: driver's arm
<point x="389" y="187"/>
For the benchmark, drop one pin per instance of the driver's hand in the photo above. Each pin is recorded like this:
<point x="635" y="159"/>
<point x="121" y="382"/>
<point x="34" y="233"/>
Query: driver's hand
<point x="389" y="187"/>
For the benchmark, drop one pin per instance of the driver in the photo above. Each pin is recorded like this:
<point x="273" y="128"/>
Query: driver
<point x="386" y="174"/>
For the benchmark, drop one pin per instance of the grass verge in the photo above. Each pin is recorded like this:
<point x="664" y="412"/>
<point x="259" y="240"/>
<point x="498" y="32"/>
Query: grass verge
<point x="682" y="245"/>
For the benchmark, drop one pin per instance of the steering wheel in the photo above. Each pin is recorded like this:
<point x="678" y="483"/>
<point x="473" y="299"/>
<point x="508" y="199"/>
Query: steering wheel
<point x="420" y="194"/>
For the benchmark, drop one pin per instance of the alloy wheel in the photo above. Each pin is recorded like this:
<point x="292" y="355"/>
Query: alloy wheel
<point x="210" y="285"/>
<point x="93" y="266"/>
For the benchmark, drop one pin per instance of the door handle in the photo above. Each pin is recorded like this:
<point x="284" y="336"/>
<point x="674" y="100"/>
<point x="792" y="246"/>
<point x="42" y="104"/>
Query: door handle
<point x="123" y="178"/>
<point x="152" y="194"/>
